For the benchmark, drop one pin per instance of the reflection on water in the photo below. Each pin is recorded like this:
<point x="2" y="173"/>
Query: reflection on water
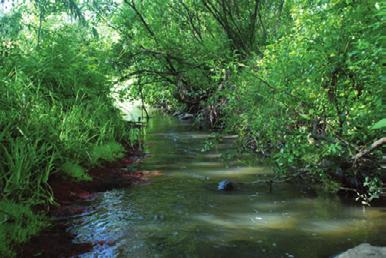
<point x="180" y="214"/>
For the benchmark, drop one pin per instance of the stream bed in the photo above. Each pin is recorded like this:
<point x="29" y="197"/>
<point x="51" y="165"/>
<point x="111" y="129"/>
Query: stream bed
<point x="181" y="214"/>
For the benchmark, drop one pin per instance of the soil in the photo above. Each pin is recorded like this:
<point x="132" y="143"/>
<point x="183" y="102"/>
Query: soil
<point x="71" y="198"/>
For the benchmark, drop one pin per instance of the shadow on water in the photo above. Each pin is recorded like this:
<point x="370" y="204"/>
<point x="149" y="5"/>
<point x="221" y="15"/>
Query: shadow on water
<point x="181" y="214"/>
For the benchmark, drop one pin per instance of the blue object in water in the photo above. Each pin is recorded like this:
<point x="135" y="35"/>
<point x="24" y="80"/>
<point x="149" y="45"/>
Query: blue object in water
<point x="225" y="185"/>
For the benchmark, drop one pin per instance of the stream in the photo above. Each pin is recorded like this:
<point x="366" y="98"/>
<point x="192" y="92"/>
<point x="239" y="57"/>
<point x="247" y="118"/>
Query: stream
<point x="182" y="214"/>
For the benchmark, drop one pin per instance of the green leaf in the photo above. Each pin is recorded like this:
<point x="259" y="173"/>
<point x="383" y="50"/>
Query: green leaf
<point x="380" y="124"/>
<point x="305" y="116"/>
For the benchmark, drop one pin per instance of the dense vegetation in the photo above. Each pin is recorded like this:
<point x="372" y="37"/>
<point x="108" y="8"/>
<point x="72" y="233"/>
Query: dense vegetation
<point x="56" y="113"/>
<point x="299" y="81"/>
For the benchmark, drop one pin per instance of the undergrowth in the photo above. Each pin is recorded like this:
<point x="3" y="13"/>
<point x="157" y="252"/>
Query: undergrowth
<point x="56" y="118"/>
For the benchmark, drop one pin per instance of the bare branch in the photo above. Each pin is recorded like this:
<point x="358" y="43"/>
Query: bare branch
<point x="378" y="143"/>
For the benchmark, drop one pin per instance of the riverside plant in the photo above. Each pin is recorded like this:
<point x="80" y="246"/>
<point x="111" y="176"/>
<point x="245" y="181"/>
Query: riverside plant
<point x="56" y="118"/>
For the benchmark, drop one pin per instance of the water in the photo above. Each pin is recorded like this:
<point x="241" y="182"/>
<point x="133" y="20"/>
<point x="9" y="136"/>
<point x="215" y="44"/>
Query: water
<point x="181" y="214"/>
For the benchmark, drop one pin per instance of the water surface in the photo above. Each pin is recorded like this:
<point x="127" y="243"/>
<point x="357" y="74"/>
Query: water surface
<point x="181" y="214"/>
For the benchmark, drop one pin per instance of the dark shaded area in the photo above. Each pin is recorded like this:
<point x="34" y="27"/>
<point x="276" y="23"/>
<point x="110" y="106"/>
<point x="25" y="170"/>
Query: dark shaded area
<point x="53" y="241"/>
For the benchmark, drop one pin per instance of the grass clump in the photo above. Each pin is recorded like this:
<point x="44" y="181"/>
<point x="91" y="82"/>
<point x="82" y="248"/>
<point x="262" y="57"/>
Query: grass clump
<point x="106" y="152"/>
<point x="75" y="171"/>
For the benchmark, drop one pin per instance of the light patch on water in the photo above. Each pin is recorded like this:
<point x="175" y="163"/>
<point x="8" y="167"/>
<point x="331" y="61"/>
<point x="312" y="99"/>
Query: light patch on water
<point x="216" y="171"/>
<point x="230" y="137"/>
<point x="369" y="213"/>
<point x="334" y="227"/>
<point x="201" y="136"/>
<point x="250" y="221"/>
<point x="237" y="172"/>
<point x="168" y="167"/>
<point x="269" y="205"/>
<point x="212" y="155"/>
<point x="210" y="164"/>
<point x="373" y="213"/>
<point x="186" y="135"/>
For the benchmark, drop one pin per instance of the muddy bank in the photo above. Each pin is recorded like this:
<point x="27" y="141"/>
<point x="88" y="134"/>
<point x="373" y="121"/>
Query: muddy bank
<point x="71" y="198"/>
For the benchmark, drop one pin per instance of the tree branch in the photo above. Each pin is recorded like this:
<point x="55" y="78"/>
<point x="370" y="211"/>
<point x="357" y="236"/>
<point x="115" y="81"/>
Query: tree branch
<point x="378" y="143"/>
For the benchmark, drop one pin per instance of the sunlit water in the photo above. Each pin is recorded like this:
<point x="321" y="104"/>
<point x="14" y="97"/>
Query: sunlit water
<point x="181" y="214"/>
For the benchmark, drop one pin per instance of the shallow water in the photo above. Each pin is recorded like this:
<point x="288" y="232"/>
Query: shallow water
<point x="181" y="214"/>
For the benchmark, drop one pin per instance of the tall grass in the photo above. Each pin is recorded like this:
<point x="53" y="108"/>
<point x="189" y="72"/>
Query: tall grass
<point x="48" y="136"/>
<point x="39" y="136"/>
<point x="28" y="167"/>
<point x="56" y="117"/>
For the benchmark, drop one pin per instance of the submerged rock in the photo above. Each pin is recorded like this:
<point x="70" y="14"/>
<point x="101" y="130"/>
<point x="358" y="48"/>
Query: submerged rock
<point x="225" y="185"/>
<point x="363" y="251"/>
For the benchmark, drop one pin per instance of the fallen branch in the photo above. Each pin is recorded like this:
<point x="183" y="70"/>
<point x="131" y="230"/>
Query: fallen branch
<point x="378" y="143"/>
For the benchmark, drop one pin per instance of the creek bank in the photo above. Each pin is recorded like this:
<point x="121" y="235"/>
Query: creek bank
<point x="71" y="198"/>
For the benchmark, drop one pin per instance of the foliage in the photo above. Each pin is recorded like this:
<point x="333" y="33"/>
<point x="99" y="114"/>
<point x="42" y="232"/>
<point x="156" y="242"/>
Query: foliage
<point x="56" y="116"/>
<point x="319" y="86"/>
<point x="180" y="50"/>
<point x="380" y="124"/>
<point x="75" y="171"/>
<point x="17" y="224"/>
<point x="107" y="152"/>
<point x="300" y="81"/>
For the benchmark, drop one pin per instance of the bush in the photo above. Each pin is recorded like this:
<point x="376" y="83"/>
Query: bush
<point x="313" y="97"/>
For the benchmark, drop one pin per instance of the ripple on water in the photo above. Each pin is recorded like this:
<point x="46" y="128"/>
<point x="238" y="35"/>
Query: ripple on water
<point x="250" y="221"/>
